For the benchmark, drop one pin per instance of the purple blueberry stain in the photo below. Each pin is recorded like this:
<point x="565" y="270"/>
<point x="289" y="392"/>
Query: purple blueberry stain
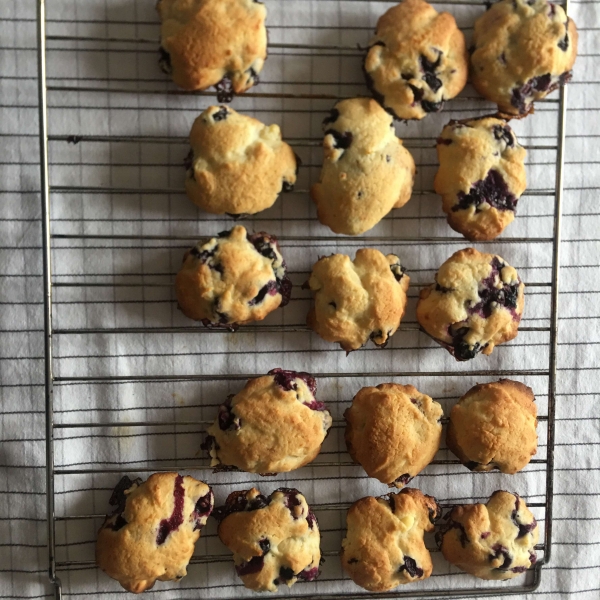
<point x="221" y="114"/>
<point x="501" y="551"/>
<point x="224" y="90"/>
<point x="492" y="190"/>
<point x="271" y="289"/>
<point x="485" y="535"/>
<point x="523" y="96"/>
<point x="410" y="566"/>
<point x="118" y="499"/>
<point x="519" y="569"/>
<point x="342" y="141"/>
<point x="238" y="502"/>
<point x="532" y="557"/>
<point x="311" y="519"/>
<point x="287" y="381"/>
<point x="254" y="565"/>
<point x="392" y="502"/>
<point x="403" y="479"/>
<point x="226" y="418"/>
<point x="166" y="526"/>
<point x="308" y="574"/>
<point x="203" y="508"/>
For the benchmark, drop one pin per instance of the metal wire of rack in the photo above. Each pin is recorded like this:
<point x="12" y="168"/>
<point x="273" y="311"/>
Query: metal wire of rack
<point x="82" y="223"/>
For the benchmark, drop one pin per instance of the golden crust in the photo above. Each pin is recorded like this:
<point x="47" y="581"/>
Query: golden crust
<point x="293" y="539"/>
<point x="516" y="42"/>
<point x="208" y="40"/>
<point x="393" y="431"/>
<point x="384" y="536"/>
<point x="494" y="425"/>
<point x="366" y="170"/>
<point x="131" y="554"/>
<point x="406" y="34"/>
<point x="240" y="165"/>
<point x="454" y="313"/>
<point x="468" y="153"/>
<point x="220" y="280"/>
<point x="278" y="432"/>
<point x="357" y="300"/>
<point x="491" y="541"/>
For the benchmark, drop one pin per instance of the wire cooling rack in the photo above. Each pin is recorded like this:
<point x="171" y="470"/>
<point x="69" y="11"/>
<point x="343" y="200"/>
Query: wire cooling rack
<point x="131" y="384"/>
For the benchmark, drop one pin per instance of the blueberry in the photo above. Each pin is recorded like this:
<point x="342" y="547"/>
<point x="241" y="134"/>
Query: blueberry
<point x="485" y="535"/>
<point x="265" y="545"/>
<point x="253" y="76"/>
<point x="428" y="66"/>
<point x="166" y="526"/>
<point x="164" y="61"/>
<point x="285" y="573"/>
<point x="226" y="418"/>
<point x="342" y="141"/>
<point x="308" y="574"/>
<point x="410" y="566"/>
<point x="291" y="500"/>
<point x="463" y="537"/>
<point x="499" y="551"/>
<point x="432" y="107"/>
<point x="392" y="502"/>
<point x="286" y="379"/>
<point x="311" y="519"/>
<point x="407" y="76"/>
<point x="522" y="96"/>
<point x="403" y="479"/>
<point x="418" y="93"/>
<point x="564" y="43"/>
<point x="254" y="565"/>
<point x="188" y="161"/>
<point x="472" y="465"/>
<point x="286" y="186"/>
<point x="224" y="90"/>
<point x="203" y="508"/>
<point x="119" y="523"/>
<point x="432" y="81"/>
<point x="519" y="569"/>
<point x="238" y="502"/>
<point x="352" y="561"/>
<point x="221" y="114"/>
<point x="398" y="271"/>
<point x="443" y="141"/>
<point x="442" y="289"/>
<point x="504" y="133"/>
<point x="492" y="189"/>
<point x="334" y="115"/>
<point x="270" y="288"/>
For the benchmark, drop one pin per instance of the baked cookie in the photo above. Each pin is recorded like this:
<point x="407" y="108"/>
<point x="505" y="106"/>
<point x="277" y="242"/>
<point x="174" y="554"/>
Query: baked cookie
<point x="475" y="303"/>
<point x="417" y="60"/>
<point x="366" y="169"/>
<point x="491" y="541"/>
<point x="213" y="42"/>
<point x="232" y="279"/>
<point x="493" y="426"/>
<point x="393" y="431"/>
<point x="274" y="539"/>
<point x="152" y="532"/>
<point x="522" y="51"/>
<point x="274" y="425"/>
<point x="384" y="544"/>
<point x="481" y="176"/>
<point x="237" y="165"/>
<point x="357" y="300"/>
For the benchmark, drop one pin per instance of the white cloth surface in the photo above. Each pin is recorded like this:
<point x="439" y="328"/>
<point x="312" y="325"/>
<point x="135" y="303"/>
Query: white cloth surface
<point x="137" y="290"/>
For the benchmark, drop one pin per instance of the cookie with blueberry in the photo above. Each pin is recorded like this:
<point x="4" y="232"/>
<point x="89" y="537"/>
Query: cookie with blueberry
<point x="366" y="170"/>
<point x="232" y="279"/>
<point x="481" y="176"/>
<point x="151" y="534"/>
<point x="522" y="51"/>
<point x="237" y="165"/>
<point x="493" y="426"/>
<point x="213" y="42"/>
<point x="393" y="431"/>
<point x="274" y="539"/>
<point x="475" y="304"/>
<point x="416" y="61"/>
<point x="495" y="540"/>
<point x="274" y="425"/>
<point x="358" y="300"/>
<point x="384" y="545"/>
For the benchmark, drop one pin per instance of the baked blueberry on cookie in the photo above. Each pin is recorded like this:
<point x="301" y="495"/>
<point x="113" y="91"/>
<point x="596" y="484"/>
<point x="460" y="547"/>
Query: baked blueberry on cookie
<point x="237" y="165"/>
<point x="416" y="61"/>
<point x="384" y="545"/>
<point x="393" y="431"/>
<point x="481" y="176"/>
<point x="522" y="51"/>
<point x="357" y="300"/>
<point x="213" y="42"/>
<point x="275" y="424"/>
<point x="475" y="303"/>
<point x="274" y="539"/>
<point x="366" y="170"/>
<point x="491" y="541"/>
<point x="232" y="279"/>
<point x="151" y="534"/>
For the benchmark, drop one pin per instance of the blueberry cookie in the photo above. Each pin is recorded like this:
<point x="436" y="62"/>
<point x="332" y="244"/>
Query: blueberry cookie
<point x="475" y="303"/>
<point x="274" y="425"/>
<point x="393" y="431"/>
<point x="416" y="61"/>
<point x="237" y="165"/>
<point x="232" y="279"/>
<point x="366" y="170"/>
<point x="213" y="42"/>
<point x="274" y="539"/>
<point x="491" y="541"/>
<point x="152" y="532"/>
<point x="522" y="51"/>
<point x="358" y="300"/>
<point x="384" y="545"/>
<point x="493" y="426"/>
<point x="481" y="176"/>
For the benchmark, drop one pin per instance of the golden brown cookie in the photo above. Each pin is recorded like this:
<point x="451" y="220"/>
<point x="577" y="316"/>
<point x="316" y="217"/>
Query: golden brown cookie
<point x="522" y="51"/>
<point x="393" y="431"/>
<point x="481" y="176"/>
<point x="274" y="539"/>
<point x="274" y="425"/>
<point x="232" y="279"/>
<point x="384" y="544"/>
<point x="475" y="303"/>
<point x="357" y="300"/>
<point x="152" y="532"/>
<point x="491" y="541"/>
<point x="213" y="42"/>
<point x="237" y="165"/>
<point x="416" y="61"/>
<point x="493" y="426"/>
<point x="366" y="170"/>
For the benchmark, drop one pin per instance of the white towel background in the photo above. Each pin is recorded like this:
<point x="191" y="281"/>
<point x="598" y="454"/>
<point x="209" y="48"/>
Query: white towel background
<point x="127" y="283"/>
